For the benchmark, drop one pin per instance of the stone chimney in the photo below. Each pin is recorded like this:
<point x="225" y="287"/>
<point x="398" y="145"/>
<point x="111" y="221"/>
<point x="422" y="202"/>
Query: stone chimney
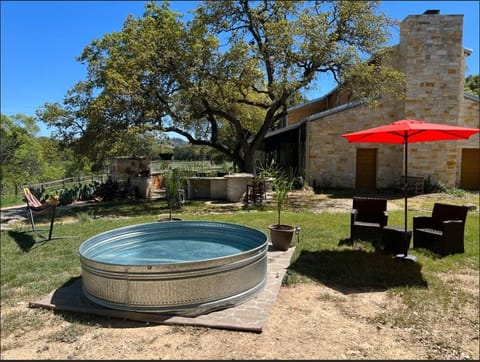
<point x="433" y="59"/>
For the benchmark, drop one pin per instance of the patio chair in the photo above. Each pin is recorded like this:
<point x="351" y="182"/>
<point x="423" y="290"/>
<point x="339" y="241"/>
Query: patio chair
<point x="35" y="207"/>
<point x="256" y="192"/>
<point x="443" y="232"/>
<point x="368" y="218"/>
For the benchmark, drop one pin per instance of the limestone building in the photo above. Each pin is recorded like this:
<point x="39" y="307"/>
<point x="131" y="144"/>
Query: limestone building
<point x="432" y="56"/>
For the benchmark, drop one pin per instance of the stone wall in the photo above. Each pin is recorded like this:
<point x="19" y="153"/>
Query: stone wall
<point x="469" y="114"/>
<point x="122" y="168"/>
<point x="331" y="159"/>
<point x="432" y="58"/>
<point x="229" y="187"/>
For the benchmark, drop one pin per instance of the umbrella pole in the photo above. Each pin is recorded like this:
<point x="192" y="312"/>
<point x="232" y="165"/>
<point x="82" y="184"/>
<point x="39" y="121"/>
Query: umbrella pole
<point x="405" y="186"/>
<point x="406" y="238"/>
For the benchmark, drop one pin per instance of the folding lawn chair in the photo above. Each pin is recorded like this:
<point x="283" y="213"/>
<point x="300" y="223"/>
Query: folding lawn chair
<point x="35" y="207"/>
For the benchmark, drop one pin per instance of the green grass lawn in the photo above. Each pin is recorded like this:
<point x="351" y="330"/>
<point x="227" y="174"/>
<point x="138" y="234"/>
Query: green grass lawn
<point x="30" y="269"/>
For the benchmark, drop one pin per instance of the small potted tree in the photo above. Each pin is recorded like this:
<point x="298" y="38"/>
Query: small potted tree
<point x="174" y="182"/>
<point x="280" y="234"/>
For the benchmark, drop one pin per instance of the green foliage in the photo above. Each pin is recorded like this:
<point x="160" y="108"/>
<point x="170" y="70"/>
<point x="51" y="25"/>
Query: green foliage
<point x="22" y="156"/>
<point x="85" y="217"/>
<point x="27" y="159"/>
<point x="222" y="79"/>
<point x="472" y="85"/>
<point x="282" y="187"/>
<point x="187" y="151"/>
<point x="439" y="186"/>
<point x="135" y="141"/>
<point x="431" y="187"/>
<point x="456" y="191"/>
<point x="282" y="184"/>
<point x="67" y="195"/>
<point x="175" y="180"/>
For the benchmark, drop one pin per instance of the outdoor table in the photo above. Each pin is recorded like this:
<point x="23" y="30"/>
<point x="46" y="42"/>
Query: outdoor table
<point x="394" y="241"/>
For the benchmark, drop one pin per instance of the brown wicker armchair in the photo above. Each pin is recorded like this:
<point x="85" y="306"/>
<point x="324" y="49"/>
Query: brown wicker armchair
<point x="367" y="218"/>
<point x="443" y="232"/>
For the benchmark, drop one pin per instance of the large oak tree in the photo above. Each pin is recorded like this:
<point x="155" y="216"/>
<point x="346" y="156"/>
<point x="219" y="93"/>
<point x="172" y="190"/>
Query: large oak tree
<point x="224" y="78"/>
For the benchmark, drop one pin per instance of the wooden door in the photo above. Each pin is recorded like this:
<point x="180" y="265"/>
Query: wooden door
<point x="470" y="169"/>
<point x="366" y="172"/>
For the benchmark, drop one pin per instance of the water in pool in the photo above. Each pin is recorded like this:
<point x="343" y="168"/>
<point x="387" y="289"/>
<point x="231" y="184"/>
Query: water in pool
<point x="169" y="247"/>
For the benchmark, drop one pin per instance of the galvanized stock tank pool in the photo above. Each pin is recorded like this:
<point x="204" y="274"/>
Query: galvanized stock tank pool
<point x="174" y="267"/>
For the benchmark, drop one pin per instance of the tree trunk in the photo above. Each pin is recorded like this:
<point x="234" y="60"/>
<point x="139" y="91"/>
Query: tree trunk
<point x="249" y="161"/>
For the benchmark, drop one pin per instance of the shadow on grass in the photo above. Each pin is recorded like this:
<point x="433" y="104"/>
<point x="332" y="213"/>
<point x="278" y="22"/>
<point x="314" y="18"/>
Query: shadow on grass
<point x="357" y="271"/>
<point x="120" y="207"/>
<point x="140" y="207"/>
<point x="26" y="240"/>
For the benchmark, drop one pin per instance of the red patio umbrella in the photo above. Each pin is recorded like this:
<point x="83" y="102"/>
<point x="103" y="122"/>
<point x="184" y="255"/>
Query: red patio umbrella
<point x="408" y="131"/>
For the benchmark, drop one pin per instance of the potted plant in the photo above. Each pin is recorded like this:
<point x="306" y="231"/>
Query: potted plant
<point x="174" y="182"/>
<point x="280" y="234"/>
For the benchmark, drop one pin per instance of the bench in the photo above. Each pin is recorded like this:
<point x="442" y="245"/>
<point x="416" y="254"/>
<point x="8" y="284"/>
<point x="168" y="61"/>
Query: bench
<point x="414" y="185"/>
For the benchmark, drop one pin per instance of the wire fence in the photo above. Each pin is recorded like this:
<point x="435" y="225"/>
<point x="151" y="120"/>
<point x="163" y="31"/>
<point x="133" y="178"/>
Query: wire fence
<point x="191" y="167"/>
<point x="63" y="183"/>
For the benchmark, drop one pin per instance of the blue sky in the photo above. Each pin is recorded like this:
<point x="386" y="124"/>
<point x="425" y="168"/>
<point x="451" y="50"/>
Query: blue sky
<point x="40" y="41"/>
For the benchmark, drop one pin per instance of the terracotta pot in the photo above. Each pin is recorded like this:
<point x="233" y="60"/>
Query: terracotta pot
<point x="281" y="236"/>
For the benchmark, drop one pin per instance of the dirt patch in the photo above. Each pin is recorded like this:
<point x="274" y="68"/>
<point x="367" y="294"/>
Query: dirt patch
<point x="308" y="321"/>
<point x="307" y="199"/>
